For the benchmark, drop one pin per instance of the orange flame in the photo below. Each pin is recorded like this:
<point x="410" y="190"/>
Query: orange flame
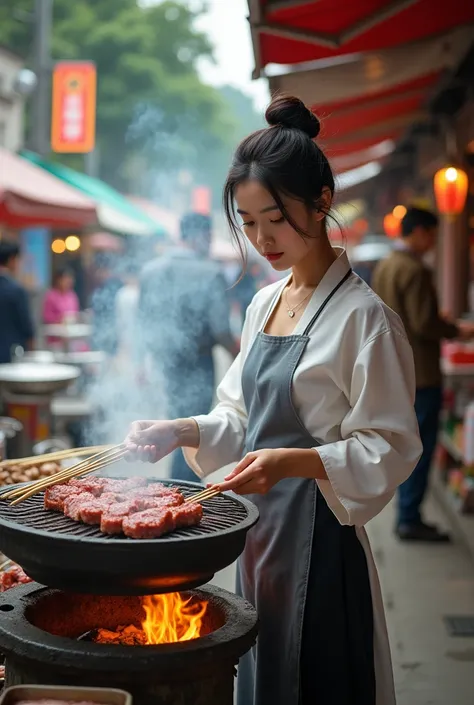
<point x="171" y="618"/>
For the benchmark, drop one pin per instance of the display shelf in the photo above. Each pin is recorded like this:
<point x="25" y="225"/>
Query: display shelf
<point x="462" y="524"/>
<point x="448" y="444"/>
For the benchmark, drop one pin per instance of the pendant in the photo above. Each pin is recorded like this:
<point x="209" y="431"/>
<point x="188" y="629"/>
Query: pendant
<point x="291" y="313"/>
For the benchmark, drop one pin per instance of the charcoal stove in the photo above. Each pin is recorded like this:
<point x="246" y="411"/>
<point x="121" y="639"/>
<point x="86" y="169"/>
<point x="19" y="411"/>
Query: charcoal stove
<point x="39" y="628"/>
<point x="59" y="552"/>
<point x="97" y="581"/>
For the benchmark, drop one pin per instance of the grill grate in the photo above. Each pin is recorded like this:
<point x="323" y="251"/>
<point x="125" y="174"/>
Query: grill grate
<point x="220" y="513"/>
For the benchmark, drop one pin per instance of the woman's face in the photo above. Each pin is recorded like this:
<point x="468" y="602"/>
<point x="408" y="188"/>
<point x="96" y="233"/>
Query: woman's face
<point x="268" y="231"/>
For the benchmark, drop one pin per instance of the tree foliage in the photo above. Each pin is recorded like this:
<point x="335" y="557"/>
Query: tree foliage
<point x="151" y="102"/>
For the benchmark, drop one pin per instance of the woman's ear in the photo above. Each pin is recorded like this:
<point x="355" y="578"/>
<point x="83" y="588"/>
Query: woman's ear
<point x="324" y="203"/>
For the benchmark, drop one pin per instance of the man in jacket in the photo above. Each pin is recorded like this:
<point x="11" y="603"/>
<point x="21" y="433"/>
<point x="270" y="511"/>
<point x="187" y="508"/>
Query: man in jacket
<point x="405" y="284"/>
<point x="16" y="326"/>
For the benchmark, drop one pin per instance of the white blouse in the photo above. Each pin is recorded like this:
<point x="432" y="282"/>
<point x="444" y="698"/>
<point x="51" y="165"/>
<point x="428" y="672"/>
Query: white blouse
<point x="353" y="389"/>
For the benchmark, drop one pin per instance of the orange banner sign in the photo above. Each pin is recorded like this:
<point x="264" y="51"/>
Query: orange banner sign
<point x="74" y="107"/>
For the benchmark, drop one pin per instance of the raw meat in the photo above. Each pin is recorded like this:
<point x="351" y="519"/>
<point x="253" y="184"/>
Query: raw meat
<point x="13" y="577"/>
<point x="55" y="496"/>
<point x="116" y="504"/>
<point x="157" y="521"/>
<point x="149" y="524"/>
<point x="112" y="519"/>
<point x="187" y="515"/>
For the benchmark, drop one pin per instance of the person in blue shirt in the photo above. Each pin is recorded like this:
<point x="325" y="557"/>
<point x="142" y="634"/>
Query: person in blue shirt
<point x="184" y="312"/>
<point x="16" y="326"/>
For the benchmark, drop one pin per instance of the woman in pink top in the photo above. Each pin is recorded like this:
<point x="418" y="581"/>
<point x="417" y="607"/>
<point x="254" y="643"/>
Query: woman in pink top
<point x="60" y="303"/>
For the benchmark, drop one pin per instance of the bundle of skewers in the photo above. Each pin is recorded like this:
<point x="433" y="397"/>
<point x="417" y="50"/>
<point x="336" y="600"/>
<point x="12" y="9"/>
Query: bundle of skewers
<point x="106" y="456"/>
<point x="97" y="461"/>
<point x="37" y="467"/>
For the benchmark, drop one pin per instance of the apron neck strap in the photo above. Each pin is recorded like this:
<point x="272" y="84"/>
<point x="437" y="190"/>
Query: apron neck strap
<point x="326" y="301"/>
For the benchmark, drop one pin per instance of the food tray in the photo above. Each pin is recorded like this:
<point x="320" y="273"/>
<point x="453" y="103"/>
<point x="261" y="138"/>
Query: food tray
<point x="101" y="696"/>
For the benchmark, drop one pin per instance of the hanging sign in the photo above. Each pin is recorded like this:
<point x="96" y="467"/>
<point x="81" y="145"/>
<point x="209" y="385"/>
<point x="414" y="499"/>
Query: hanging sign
<point x="74" y="107"/>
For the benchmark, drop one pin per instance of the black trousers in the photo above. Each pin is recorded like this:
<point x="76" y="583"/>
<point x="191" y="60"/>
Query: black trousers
<point x="337" y="660"/>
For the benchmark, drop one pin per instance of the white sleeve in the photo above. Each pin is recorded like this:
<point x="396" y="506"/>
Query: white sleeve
<point x="222" y="432"/>
<point x="380" y="443"/>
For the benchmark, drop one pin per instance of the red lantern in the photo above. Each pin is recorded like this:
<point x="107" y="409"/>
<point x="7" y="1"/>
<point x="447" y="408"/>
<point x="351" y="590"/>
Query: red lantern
<point x="450" y="185"/>
<point x="391" y="225"/>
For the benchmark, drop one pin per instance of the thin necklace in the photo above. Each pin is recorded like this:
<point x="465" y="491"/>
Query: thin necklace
<point x="291" y="310"/>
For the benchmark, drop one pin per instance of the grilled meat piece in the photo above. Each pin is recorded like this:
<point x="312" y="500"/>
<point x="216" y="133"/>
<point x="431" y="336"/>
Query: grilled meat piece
<point x="94" y="485"/>
<point x="149" y="524"/>
<point x="91" y="510"/>
<point x="155" y="522"/>
<point x="112" y="519"/>
<point x="55" y="496"/>
<point x="187" y="515"/>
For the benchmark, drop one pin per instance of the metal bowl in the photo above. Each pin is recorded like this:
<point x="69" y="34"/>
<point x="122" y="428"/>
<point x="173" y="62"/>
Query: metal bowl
<point x="36" y="378"/>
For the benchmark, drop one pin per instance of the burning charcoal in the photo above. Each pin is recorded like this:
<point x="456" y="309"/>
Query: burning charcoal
<point x="124" y="636"/>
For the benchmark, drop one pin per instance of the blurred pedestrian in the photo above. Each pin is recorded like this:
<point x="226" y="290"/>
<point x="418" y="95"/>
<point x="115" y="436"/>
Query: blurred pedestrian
<point x="104" y="327"/>
<point x="126" y="313"/>
<point x="184" y="313"/>
<point x="61" y="303"/>
<point x="405" y="283"/>
<point x="16" y="325"/>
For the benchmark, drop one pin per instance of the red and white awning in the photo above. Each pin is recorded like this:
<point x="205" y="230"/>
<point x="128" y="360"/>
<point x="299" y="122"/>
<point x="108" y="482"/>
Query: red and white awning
<point x="295" y="31"/>
<point x="31" y="196"/>
<point x="375" y="96"/>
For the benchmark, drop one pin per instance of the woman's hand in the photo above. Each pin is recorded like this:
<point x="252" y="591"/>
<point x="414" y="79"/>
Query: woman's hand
<point x="150" y="441"/>
<point x="257" y="473"/>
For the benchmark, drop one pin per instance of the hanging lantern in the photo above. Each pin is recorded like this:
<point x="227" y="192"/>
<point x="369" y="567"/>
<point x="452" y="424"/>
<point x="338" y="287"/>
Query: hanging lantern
<point x="391" y="225"/>
<point x="450" y="185"/>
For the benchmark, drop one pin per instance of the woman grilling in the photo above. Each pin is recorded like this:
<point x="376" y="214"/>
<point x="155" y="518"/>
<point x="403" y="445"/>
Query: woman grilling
<point x="317" y="412"/>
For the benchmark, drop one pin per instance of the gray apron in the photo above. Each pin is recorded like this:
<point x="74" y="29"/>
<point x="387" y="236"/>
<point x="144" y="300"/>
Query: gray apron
<point x="305" y="573"/>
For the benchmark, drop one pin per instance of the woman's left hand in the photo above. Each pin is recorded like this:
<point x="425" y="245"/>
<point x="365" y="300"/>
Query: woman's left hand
<point x="257" y="473"/>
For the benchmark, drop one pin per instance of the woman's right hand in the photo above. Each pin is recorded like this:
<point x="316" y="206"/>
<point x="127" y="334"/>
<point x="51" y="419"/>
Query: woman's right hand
<point x="150" y="441"/>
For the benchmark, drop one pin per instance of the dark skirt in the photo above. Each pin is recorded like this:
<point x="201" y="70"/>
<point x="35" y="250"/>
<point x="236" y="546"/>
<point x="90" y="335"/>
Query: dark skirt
<point x="337" y="658"/>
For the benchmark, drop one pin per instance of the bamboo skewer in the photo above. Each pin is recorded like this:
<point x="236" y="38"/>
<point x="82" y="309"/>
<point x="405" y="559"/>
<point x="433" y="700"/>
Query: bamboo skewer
<point x="52" y="457"/>
<point x="59" y="476"/>
<point x="95" y="462"/>
<point x="91" y="467"/>
<point x="203" y="495"/>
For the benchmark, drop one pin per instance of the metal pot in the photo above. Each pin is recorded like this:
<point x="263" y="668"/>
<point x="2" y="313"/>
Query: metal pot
<point x="36" y="378"/>
<point x="11" y="437"/>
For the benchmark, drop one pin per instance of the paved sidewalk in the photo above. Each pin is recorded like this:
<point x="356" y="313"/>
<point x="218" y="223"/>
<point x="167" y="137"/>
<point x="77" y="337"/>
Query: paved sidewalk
<point x="421" y="583"/>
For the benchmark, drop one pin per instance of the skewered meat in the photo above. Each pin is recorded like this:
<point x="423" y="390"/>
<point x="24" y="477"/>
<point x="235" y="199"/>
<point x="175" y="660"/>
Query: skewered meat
<point x="91" y="510"/>
<point x="187" y="515"/>
<point x="13" y="577"/>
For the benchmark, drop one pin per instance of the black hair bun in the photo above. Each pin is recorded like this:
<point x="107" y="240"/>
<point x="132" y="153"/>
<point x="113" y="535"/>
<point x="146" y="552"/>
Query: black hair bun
<point x="289" y="111"/>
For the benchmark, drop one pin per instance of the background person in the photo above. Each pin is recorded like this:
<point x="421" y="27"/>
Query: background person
<point x="16" y="325"/>
<point x="184" y="314"/>
<point x="61" y="302"/>
<point x="406" y="284"/>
